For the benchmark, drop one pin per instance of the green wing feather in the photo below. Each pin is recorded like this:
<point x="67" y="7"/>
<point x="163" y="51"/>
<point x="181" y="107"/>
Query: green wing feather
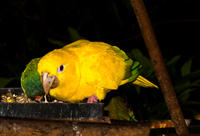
<point x="136" y="70"/>
<point x="30" y="80"/>
<point x="133" y="70"/>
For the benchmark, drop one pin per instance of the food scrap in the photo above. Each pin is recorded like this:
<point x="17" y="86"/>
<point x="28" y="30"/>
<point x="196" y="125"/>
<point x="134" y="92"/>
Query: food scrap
<point x="13" y="98"/>
<point x="162" y="124"/>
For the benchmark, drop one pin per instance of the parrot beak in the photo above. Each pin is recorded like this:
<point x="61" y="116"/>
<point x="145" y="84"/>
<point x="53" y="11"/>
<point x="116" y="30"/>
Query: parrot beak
<point x="49" y="82"/>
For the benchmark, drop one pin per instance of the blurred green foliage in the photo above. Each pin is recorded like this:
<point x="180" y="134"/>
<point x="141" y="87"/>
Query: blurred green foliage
<point x="30" y="29"/>
<point x="119" y="108"/>
<point x="186" y="84"/>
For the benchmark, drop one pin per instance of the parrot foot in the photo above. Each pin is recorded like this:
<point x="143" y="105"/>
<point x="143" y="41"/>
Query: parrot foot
<point x="92" y="99"/>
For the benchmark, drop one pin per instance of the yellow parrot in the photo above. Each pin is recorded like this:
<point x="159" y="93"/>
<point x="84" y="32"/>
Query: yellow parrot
<point x="85" y="69"/>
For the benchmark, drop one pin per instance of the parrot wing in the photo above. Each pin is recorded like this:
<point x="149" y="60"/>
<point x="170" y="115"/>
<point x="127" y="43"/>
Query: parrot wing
<point x="100" y="64"/>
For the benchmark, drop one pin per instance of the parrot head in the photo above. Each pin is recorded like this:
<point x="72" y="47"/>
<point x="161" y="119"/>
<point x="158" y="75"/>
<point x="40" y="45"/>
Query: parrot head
<point x="58" y="73"/>
<point x="51" y="68"/>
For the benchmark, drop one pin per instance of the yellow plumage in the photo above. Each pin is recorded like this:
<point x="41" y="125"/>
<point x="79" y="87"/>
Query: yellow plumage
<point x="90" y="68"/>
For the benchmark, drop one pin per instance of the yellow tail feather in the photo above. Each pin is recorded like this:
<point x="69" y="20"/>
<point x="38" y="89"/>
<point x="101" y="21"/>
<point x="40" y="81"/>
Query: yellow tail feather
<point x="141" y="81"/>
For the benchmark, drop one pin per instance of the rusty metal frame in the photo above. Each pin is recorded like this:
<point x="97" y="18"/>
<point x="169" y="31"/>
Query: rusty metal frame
<point x="159" y="66"/>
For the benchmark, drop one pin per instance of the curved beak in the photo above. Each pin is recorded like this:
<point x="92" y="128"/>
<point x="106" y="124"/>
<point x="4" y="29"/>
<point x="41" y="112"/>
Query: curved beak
<point x="49" y="82"/>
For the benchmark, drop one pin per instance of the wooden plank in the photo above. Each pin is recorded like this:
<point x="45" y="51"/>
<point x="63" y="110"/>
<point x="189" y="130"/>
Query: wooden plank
<point x="29" y="127"/>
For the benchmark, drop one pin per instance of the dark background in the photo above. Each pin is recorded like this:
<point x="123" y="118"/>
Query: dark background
<point x="27" y="28"/>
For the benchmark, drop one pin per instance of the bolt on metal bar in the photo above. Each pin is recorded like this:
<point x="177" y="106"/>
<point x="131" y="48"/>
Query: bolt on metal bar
<point x="159" y="66"/>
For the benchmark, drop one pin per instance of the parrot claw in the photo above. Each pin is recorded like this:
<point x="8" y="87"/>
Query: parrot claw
<point x="45" y="99"/>
<point x="92" y="99"/>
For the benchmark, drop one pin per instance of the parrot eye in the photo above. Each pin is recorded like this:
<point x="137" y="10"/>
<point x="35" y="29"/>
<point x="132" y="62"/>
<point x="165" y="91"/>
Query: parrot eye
<point x="61" y="68"/>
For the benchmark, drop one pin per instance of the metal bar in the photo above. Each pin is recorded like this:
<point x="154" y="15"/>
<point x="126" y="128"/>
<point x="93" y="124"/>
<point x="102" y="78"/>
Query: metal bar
<point x="159" y="66"/>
